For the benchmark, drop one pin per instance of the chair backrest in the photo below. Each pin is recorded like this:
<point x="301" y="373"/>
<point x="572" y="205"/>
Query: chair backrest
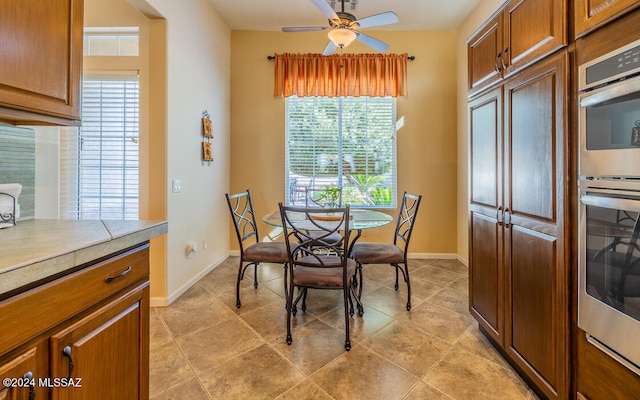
<point x="244" y="219"/>
<point x="325" y="197"/>
<point x="406" y="220"/>
<point x="310" y="234"/>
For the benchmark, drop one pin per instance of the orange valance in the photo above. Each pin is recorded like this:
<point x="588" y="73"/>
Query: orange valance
<point x="374" y="75"/>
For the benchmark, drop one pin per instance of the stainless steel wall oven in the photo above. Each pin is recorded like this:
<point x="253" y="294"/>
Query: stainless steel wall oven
<point x="609" y="259"/>
<point x="609" y="203"/>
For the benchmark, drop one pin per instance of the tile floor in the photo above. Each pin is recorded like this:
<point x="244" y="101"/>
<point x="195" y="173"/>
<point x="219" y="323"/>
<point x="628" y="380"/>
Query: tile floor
<point x="202" y="347"/>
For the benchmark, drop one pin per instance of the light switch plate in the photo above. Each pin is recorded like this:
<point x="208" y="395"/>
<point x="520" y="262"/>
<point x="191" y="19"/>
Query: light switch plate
<point x="177" y="186"/>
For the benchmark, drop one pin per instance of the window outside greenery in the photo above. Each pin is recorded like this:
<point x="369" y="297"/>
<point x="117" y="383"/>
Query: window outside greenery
<point x="346" y="142"/>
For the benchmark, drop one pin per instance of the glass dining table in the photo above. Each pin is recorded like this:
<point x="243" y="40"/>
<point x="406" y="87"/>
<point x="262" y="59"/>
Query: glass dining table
<point x="360" y="219"/>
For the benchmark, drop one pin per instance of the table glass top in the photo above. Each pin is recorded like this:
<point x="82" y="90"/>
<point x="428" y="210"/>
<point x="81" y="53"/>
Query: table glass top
<point x="360" y="219"/>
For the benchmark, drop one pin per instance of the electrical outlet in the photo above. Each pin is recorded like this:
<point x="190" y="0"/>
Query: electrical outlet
<point x="190" y="249"/>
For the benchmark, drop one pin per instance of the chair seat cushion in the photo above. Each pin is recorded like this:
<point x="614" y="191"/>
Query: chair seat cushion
<point x="377" y="253"/>
<point x="329" y="275"/>
<point x="270" y="252"/>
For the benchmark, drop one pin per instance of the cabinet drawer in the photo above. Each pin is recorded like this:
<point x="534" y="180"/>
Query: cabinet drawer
<point x="38" y="310"/>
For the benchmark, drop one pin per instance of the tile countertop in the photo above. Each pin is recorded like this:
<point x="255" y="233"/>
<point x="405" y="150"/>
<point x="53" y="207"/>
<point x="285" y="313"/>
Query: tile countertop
<point x="36" y="249"/>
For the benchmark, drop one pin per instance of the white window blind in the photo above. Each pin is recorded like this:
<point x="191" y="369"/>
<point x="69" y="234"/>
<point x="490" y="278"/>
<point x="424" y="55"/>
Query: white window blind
<point x="348" y="142"/>
<point x="100" y="161"/>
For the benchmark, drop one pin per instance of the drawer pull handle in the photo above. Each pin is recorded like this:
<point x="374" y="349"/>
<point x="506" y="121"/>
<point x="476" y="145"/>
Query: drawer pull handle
<point x="32" y="388"/>
<point x="123" y="273"/>
<point x="67" y="352"/>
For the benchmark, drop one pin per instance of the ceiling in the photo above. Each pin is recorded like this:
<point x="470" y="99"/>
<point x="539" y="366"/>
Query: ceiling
<point x="272" y="15"/>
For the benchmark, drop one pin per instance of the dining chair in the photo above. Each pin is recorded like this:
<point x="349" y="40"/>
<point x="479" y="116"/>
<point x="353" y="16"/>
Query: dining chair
<point x="252" y="250"/>
<point x="394" y="254"/>
<point x="316" y="262"/>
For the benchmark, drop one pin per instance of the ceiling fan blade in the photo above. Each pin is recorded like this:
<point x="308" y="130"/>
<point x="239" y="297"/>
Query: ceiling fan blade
<point x="371" y="42"/>
<point x="384" y="18"/>
<point x="304" y="28"/>
<point x="329" y="49"/>
<point x="325" y="8"/>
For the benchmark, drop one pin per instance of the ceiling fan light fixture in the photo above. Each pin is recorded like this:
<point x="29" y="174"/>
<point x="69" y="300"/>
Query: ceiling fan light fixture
<point x="341" y="37"/>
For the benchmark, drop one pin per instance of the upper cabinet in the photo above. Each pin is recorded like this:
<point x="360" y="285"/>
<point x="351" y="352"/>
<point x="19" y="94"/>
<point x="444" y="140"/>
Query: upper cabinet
<point x="485" y="55"/>
<point x="589" y="14"/>
<point x="40" y="61"/>
<point x="520" y="33"/>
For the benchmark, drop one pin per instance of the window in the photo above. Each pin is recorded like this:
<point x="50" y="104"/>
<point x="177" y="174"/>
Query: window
<point x="99" y="162"/>
<point x="111" y="41"/>
<point x="347" y="142"/>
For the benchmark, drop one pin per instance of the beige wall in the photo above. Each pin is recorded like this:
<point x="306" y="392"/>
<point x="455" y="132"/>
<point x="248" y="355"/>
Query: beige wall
<point x="185" y="52"/>
<point x="99" y="13"/>
<point x="197" y="79"/>
<point x="426" y="143"/>
<point x="477" y="17"/>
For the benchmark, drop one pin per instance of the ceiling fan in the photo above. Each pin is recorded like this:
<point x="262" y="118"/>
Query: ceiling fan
<point x="343" y="27"/>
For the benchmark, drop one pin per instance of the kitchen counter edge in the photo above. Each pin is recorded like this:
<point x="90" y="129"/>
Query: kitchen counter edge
<point x="34" y="250"/>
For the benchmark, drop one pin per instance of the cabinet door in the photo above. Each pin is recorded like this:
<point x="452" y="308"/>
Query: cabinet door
<point x="536" y="318"/>
<point x="589" y="14"/>
<point x="483" y="48"/>
<point x="107" y="352"/>
<point x="40" y="59"/>
<point x="532" y="30"/>
<point x="29" y="364"/>
<point x="486" y="289"/>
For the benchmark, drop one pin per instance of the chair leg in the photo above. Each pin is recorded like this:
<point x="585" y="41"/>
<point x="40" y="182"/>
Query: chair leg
<point x="294" y="306"/>
<point x="358" y="302"/>
<point x="240" y="274"/>
<point x="396" y="266"/>
<point x="361" y="283"/>
<point x="255" y="275"/>
<point x="286" y="286"/>
<point x="406" y="277"/>
<point x="290" y="310"/>
<point x="351" y="310"/>
<point x="346" y="293"/>
<point x="304" y="300"/>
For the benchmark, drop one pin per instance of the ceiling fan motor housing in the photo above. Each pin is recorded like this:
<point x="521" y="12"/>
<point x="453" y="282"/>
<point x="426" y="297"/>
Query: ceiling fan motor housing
<point x="347" y="20"/>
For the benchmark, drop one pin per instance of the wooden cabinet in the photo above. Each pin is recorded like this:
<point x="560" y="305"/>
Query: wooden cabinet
<point x="590" y="14"/>
<point x="89" y="328"/>
<point x="23" y="370"/>
<point x="41" y="61"/>
<point x="113" y="333"/>
<point x="518" y="270"/>
<point x="484" y="53"/>
<point x="486" y="293"/>
<point x="520" y="33"/>
<point x="600" y="377"/>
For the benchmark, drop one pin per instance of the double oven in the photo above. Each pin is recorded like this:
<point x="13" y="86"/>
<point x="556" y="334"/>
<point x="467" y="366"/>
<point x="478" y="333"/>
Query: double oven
<point x="609" y="203"/>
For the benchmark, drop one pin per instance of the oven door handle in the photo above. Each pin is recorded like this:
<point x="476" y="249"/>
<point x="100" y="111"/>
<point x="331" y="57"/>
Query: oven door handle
<point x="610" y="202"/>
<point x="610" y="92"/>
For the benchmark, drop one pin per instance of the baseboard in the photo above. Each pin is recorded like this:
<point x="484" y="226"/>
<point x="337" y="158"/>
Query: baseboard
<point x="165" y="301"/>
